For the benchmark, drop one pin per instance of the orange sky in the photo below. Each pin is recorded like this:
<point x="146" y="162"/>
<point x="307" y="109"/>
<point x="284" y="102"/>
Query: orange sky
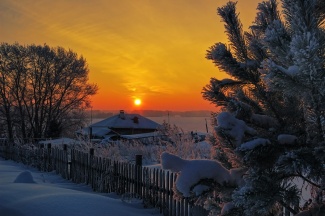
<point x="148" y="49"/>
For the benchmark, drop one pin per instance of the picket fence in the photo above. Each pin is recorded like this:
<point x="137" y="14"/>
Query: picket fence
<point x="153" y="186"/>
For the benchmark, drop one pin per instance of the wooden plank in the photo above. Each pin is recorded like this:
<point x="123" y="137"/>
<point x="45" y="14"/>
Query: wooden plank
<point x="145" y="185"/>
<point x="187" y="207"/>
<point x="167" y="211"/>
<point x="160" y="190"/>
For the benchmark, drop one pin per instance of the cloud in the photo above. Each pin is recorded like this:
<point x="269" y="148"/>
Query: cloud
<point x="155" y="47"/>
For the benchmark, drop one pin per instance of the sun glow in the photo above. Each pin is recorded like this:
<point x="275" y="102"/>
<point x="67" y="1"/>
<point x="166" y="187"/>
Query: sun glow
<point x="137" y="102"/>
<point x="141" y="62"/>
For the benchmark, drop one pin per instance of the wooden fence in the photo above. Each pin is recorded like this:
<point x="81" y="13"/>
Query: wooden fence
<point x="153" y="186"/>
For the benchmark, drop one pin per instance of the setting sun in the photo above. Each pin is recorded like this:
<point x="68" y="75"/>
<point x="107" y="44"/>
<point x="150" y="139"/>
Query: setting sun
<point x="129" y="56"/>
<point x="137" y="102"/>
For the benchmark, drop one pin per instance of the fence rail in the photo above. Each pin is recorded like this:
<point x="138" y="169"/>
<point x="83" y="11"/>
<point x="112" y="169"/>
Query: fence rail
<point x="153" y="186"/>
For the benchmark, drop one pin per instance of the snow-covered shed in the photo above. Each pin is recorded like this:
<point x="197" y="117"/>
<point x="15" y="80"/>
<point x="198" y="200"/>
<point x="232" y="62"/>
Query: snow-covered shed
<point x="120" y="124"/>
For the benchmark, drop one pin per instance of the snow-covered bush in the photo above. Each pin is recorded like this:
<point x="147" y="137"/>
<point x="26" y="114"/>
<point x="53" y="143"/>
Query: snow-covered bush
<point x="175" y="141"/>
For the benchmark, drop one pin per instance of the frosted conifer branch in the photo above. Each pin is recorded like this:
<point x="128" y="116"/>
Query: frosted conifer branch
<point x="234" y="30"/>
<point x="222" y="57"/>
<point x="267" y="12"/>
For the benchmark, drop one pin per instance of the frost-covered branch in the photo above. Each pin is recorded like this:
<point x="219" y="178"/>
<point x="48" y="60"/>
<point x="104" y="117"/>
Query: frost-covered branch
<point x="234" y="30"/>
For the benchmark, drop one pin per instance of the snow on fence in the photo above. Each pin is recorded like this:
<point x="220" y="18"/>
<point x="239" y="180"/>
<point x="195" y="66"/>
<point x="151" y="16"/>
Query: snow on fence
<point x="153" y="186"/>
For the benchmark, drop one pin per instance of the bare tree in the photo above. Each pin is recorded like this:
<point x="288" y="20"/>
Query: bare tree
<point x="42" y="89"/>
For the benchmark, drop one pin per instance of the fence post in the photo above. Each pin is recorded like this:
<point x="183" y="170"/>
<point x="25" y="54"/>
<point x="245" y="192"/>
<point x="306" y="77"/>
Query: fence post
<point x="91" y="151"/>
<point x="138" y="160"/>
<point x="40" y="157"/>
<point x="49" y="150"/>
<point x="65" y="162"/>
<point x="10" y="149"/>
<point x="90" y="166"/>
<point x="138" y="175"/>
<point x="90" y="133"/>
<point x="6" y="148"/>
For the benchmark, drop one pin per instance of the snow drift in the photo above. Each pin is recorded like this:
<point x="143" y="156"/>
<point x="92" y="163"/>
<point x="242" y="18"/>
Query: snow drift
<point x="190" y="172"/>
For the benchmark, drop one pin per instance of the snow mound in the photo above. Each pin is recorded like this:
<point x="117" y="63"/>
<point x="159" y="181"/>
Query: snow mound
<point x="227" y="207"/>
<point x="293" y="70"/>
<point x="199" y="189"/>
<point x="190" y="172"/>
<point x="233" y="127"/>
<point x="264" y="121"/>
<point x="24" y="177"/>
<point x="172" y="162"/>
<point x="253" y="144"/>
<point x="287" y="139"/>
<point x="236" y="176"/>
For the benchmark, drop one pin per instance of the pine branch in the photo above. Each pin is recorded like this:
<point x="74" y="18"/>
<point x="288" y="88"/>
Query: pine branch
<point x="307" y="180"/>
<point x="256" y="49"/>
<point x="223" y="58"/>
<point x="288" y="207"/>
<point x="267" y="12"/>
<point x="234" y="30"/>
<point x="286" y="176"/>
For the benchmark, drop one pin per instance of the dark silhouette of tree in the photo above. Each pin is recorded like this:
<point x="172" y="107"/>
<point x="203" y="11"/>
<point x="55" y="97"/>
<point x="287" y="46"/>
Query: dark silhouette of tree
<point x="42" y="89"/>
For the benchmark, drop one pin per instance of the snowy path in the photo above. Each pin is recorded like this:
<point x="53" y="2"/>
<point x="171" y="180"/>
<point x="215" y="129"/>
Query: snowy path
<point x="51" y="195"/>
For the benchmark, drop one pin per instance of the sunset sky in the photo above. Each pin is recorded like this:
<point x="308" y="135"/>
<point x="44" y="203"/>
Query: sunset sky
<point x="153" y="50"/>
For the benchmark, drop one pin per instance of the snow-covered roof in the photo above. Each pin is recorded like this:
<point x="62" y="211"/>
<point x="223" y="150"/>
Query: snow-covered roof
<point x="96" y="131"/>
<point x="127" y="121"/>
<point x="142" y="135"/>
<point x="120" y="121"/>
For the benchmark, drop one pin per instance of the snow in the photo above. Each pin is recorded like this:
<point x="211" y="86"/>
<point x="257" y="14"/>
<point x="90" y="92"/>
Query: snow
<point x="24" y="191"/>
<point x="142" y="135"/>
<point x="304" y="213"/>
<point x="219" y="50"/>
<point x="172" y="162"/>
<point x="250" y="145"/>
<point x="264" y="121"/>
<point x="227" y="207"/>
<point x="287" y="139"/>
<point x="274" y="31"/>
<point x="227" y="81"/>
<point x="236" y="176"/>
<point x="293" y="70"/>
<point x="190" y="172"/>
<point x="24" y="177"/>
<point x="316" y="210"/>
<point x="96" y="131"/>
<point x="233" y="127"/>
<point x="199" y="189"/>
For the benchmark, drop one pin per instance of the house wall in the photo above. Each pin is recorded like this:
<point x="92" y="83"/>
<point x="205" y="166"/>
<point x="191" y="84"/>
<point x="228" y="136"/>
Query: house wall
<point x="130" y="131"/>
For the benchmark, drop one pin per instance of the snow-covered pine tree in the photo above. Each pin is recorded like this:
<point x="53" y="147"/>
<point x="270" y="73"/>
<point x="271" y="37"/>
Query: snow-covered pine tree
<point x="273" y="108"/>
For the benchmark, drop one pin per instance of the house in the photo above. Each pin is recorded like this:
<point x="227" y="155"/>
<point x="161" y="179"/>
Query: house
<point x="121" y="124"/>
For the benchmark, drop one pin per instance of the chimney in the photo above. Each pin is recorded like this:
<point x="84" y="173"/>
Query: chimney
<point x="122" y="115"/>
<point x="136" y="120"/>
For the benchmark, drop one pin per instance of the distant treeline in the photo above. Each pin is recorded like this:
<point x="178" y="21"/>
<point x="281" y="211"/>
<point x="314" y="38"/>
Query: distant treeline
<point x="151" y="113"/>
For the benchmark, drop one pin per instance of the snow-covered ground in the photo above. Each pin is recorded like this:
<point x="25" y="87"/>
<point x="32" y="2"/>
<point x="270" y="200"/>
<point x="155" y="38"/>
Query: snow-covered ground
<point x="25" y="191"/>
